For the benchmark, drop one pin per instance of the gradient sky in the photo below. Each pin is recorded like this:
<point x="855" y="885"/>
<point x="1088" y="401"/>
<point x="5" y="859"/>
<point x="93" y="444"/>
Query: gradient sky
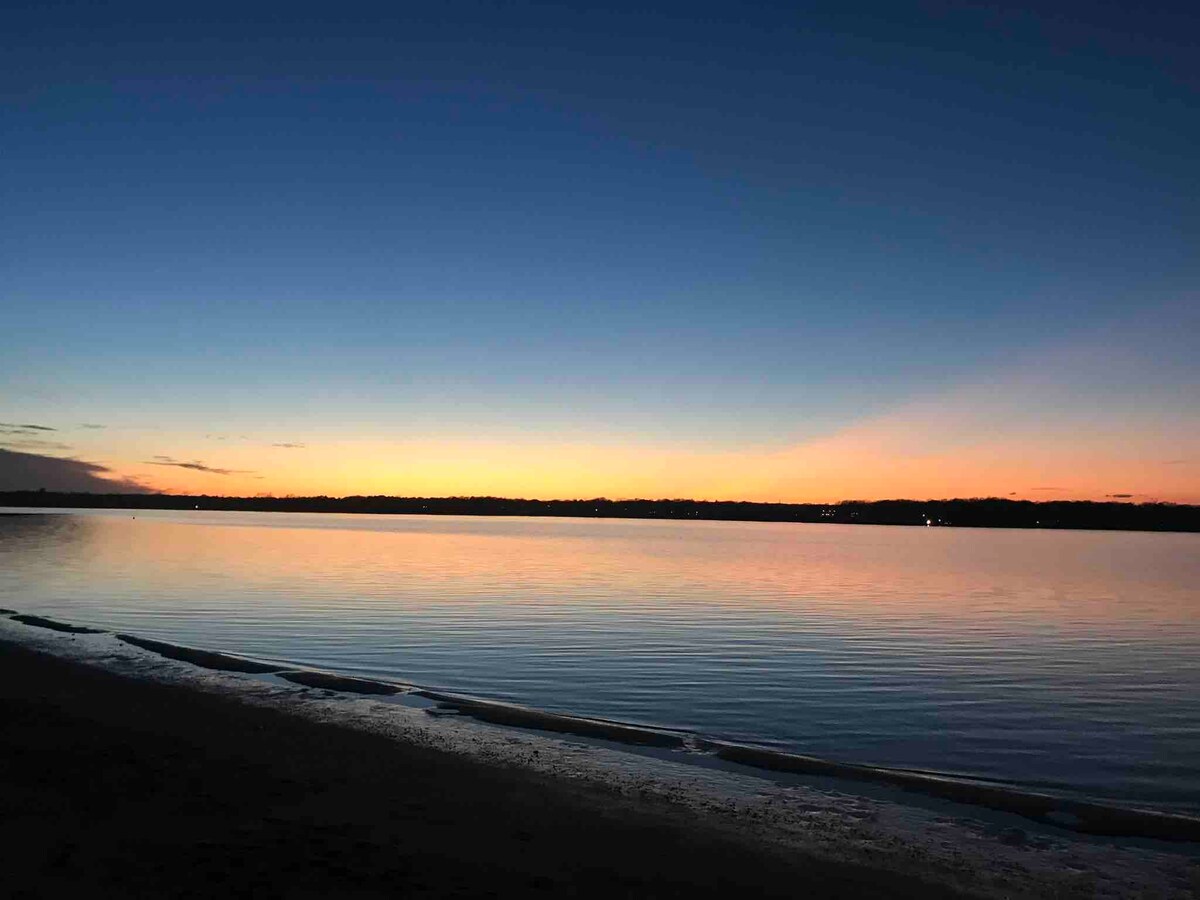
<point x="759" y="251"/>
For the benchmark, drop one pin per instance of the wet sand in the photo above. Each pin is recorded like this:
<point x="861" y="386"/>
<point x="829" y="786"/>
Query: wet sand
<point x="112" y="785"/>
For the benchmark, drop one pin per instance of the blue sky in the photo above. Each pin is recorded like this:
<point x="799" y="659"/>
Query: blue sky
<point x="705" y="227"/>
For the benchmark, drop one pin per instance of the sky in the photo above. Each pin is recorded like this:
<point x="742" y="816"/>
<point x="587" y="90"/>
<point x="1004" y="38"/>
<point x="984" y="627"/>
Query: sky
<point x="725" y="251"/>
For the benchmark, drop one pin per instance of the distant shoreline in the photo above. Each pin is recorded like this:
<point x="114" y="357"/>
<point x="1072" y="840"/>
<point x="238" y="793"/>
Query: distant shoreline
<point x="967" y="513"/>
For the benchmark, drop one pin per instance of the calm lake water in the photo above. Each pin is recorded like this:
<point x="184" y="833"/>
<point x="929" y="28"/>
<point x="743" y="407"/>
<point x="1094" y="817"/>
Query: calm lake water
<point x="1066" y="661"/>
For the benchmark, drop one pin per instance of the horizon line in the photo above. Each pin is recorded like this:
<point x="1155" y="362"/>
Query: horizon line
<point x="1108" y="501"/>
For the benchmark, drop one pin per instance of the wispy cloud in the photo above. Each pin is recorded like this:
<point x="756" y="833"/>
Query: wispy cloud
<point x="290" y="446"/>
<point x="92" y="426"/>
<point x="18" y="428"/>
<point x="35" y="444"/>
<point x="195" y="466"/>
<point x="1120" y="496"/>
<point x="1048" y="489"/>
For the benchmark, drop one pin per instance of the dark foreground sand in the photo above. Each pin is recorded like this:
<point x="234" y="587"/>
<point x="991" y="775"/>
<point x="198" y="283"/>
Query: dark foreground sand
<point x="111" y="786"/>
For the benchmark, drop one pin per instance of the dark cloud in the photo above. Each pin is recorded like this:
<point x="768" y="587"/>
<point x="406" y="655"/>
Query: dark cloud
<point x="195" y="466"/>
<point x="1120" y="496"/>
<point x="290" y="446"/>
<point x="32" y="471"/>
<point x="90" y="425"/>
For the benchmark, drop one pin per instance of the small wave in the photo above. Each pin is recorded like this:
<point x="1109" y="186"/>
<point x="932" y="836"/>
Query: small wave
<point x="39" y="622"/>
<point x="331" y="682"/>
<point x="207" y="659"/>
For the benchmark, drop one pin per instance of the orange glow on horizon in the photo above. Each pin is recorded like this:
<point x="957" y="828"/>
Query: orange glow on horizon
<point x="1021" y="435"/>
<point x="857" y="464"/>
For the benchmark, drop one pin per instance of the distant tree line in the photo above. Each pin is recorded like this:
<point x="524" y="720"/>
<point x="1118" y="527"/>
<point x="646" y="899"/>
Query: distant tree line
<point x="989" y="512"/>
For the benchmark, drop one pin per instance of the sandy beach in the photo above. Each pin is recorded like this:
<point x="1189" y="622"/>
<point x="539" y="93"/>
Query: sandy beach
<point x="127" y="774"/>
<point x="145" y="789"/>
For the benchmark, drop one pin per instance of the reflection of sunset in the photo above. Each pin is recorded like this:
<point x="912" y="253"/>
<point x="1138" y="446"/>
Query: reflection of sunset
<point x="756" y="571"/>
<point x="854" y="642"/>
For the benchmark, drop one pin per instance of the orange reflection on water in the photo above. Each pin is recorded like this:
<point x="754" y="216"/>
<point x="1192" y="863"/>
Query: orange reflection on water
<point x="753" y="569"/>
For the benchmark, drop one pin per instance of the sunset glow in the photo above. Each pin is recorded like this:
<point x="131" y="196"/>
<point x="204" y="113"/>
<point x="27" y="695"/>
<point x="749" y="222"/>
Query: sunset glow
<point x="910" y="270"/>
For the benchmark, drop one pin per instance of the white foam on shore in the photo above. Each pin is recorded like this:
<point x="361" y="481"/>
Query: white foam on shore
<point x="946" y="843"/>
